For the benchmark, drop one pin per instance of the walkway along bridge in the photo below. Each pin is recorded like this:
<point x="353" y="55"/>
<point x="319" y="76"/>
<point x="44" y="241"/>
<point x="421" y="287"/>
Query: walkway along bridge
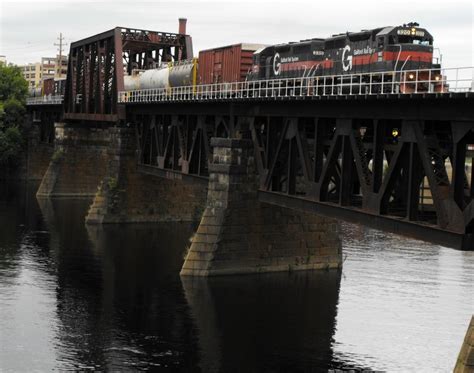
<point x="365" y="153"/>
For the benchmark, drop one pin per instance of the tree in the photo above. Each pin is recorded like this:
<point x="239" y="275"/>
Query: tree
<point x="13" y="92"/>
<point x="11" y="142"/>
<point x="12" y="84"/>
<point x="13" y="113"/>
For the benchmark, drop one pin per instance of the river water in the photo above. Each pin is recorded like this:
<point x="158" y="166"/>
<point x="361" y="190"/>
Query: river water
<point x="77" y="297"/>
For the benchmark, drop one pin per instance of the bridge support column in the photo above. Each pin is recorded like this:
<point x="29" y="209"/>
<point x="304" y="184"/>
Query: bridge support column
<point x="38" y="154"/>
<point x="238" y="234"/>
<point x="465" y="362"/>
<point x="128" y="196"/>
<point x="78" y="162"/>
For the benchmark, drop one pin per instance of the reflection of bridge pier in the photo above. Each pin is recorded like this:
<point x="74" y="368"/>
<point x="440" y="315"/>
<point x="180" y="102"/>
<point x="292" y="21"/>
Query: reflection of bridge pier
<point x="118" y="295"/>
<point x="286" y="320"/>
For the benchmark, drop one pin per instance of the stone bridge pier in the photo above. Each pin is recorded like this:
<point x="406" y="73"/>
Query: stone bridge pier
<point x="125" y="195"/>
<point x="238" y="234"/>
<point x="78" y="162"/>
<point x="100" y="163"/>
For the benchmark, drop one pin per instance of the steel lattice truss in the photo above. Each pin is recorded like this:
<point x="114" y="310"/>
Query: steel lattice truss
<point x="179" y="144"/>
<point x="401" y="175"/>
<point x="97" y="65"/>
<point x="408" y="171"/>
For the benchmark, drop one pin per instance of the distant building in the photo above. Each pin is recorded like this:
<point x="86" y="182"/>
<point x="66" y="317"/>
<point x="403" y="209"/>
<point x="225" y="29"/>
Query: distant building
<point x="49" y="67"/>
<point x="3" y="60"/>
<point x="61" y="68"/>
<point x="32" y="74"/>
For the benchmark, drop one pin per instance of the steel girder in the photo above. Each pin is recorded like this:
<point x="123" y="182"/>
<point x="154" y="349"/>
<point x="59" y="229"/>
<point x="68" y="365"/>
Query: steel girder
<point x="178" y="144"/>
<point x="96" y="68"/>
<point x="394" y="172"/>
<point x="406" y="176"/>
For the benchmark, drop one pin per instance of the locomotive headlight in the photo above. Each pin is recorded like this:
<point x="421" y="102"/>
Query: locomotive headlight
<point x="411" y="76"/>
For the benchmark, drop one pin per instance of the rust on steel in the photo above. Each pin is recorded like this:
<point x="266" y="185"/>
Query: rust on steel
<point x="97" y="65"/>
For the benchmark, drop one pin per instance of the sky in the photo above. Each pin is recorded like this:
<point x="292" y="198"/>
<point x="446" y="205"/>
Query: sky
<point x="29" y="29"/>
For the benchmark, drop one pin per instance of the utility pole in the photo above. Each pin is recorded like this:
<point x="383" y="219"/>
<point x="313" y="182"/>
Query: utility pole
<point x="60" y="45"/>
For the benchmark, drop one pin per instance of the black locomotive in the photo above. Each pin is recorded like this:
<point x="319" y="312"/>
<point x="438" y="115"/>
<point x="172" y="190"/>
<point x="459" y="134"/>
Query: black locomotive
<point x="384" y="49"/>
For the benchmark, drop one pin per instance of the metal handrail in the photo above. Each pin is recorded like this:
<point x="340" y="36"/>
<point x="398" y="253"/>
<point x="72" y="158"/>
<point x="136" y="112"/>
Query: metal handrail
<point x="420" y="81"/>
<point x="45" y="100"/>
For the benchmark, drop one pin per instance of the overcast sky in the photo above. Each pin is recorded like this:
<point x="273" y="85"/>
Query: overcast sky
<point x="28" y="29"/>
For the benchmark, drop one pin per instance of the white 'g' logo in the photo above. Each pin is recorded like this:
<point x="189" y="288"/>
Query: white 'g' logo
<point x="276" y="64"/>
<point x="346" y="63"/>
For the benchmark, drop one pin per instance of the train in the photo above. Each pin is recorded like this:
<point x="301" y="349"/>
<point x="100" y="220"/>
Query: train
<point x="379" y="60"/>
<point x="50" y="87"/>
<point x="361" y="56"/>
<point x="378" y="56"/>
<point x="406" y="47"/>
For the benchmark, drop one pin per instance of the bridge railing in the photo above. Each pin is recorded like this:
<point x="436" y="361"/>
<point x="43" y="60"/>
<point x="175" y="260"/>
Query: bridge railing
<point x="45" y="100"/>
<point x="440" y="81"/>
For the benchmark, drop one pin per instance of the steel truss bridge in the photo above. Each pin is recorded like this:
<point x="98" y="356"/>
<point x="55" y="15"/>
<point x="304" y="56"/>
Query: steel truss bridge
<point x="398" y="165"/>
<point x="373" y="150"/>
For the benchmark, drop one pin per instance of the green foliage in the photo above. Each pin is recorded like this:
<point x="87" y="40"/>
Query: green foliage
<point x="12" y="84"/>
<point x="10" y="145"/>
<point x="13" y="92"/>
<point x="13" y="113"/>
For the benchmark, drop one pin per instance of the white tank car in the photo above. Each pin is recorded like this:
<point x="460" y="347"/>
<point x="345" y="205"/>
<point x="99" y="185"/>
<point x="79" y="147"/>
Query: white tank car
<point x="156" y="78"/>
<point x="173" y="75"/>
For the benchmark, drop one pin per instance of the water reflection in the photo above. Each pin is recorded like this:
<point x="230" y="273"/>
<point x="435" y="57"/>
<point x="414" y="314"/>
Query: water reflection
<point x="27" y="283"/>
<point x="110" y="298"/>
<point x="260" y="323"/>
<point x="402" y="298"/>
<point x="119" y="304"/>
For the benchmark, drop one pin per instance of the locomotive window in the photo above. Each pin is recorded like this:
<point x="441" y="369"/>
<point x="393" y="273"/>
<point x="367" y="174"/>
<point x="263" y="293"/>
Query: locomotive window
<point x="405" y="39"/>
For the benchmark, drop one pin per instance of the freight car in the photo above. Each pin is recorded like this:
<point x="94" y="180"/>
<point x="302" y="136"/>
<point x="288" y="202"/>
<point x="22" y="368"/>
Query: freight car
<point x="218" y="65"/>
<point x="355" y="59"/>
<point x="227" y="64"/>
<point x="54" y="86"/>
<point x="49" y="87"/>
<point x="171" y="74"/>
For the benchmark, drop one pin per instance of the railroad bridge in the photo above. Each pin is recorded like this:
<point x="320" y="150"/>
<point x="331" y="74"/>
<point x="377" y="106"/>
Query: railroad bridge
<point x="267" y="171"/>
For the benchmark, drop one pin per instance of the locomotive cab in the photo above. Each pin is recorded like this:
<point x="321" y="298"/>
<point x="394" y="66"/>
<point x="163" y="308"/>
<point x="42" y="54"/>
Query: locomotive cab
<point x="409" y="51"/>
<point x="406" y="47"/>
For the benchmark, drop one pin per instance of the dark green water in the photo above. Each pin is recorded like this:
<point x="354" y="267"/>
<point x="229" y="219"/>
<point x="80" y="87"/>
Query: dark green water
<point x="77" y="297"/>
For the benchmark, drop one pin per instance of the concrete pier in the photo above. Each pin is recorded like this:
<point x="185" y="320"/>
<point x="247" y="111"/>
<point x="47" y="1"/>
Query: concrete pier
<point x="238" y="234"/>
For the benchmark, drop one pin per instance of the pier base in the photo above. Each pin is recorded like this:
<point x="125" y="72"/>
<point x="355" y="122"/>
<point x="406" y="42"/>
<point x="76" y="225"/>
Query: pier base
<point x="38" y="155"/>
<point x="77" y="164"/>
<point x="465" y="363"/>
<point x="128" y="196"/>
<point x="238" y="234"/>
